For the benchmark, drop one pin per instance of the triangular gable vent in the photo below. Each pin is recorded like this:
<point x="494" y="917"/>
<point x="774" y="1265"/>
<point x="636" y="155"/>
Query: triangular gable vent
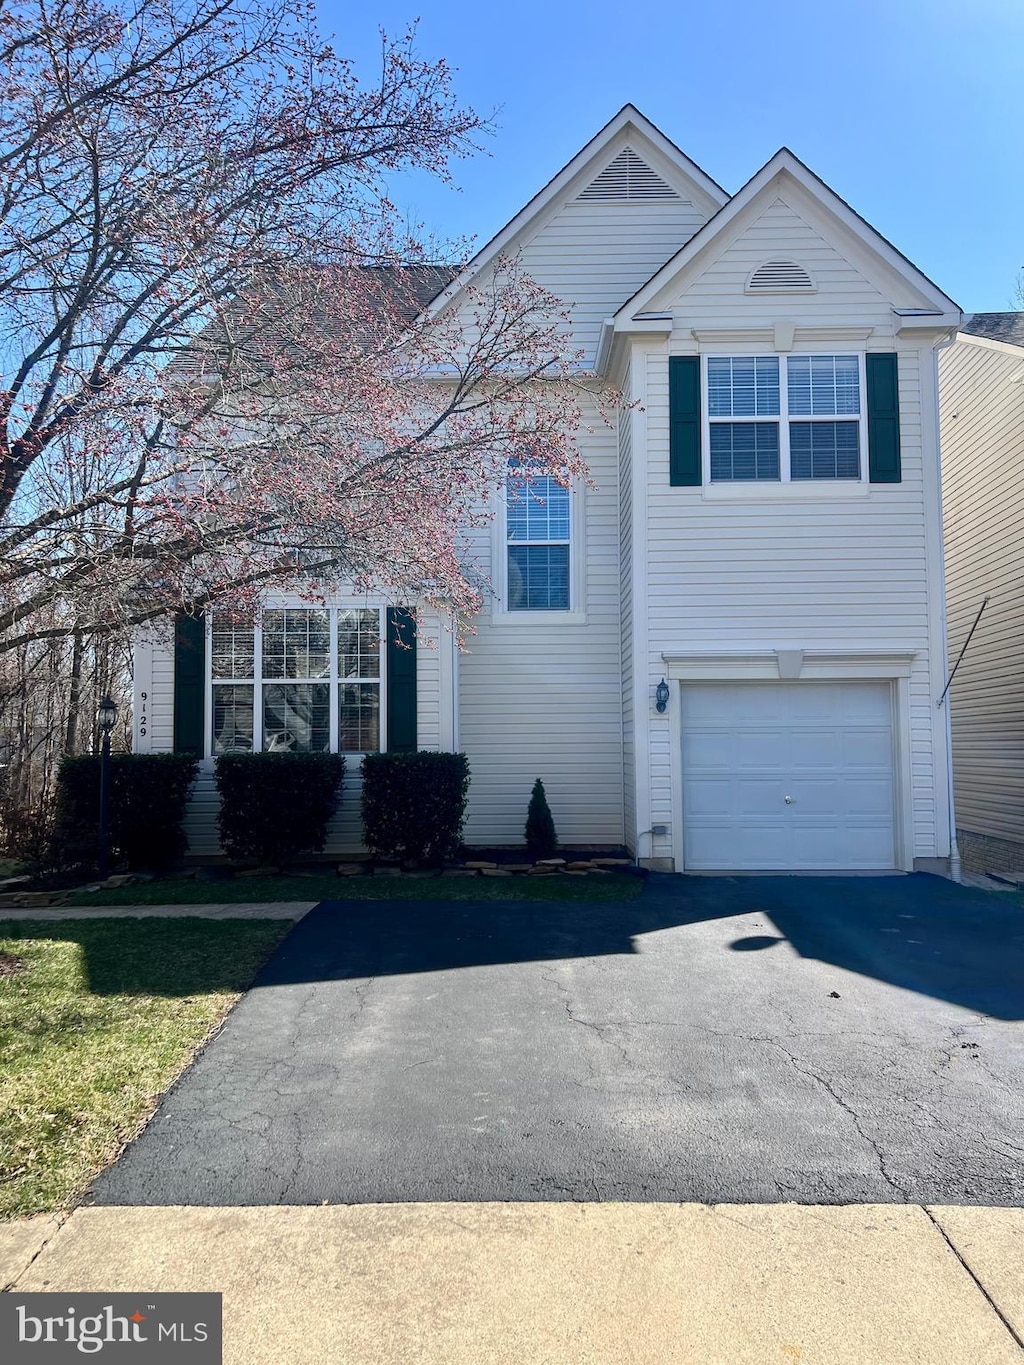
<point x="780" y="277"/>
<point x="627" y="177"/>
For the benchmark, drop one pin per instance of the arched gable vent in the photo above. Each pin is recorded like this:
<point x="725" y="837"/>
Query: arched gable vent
<point x="780" y="277"/>
<point x="627" y="177"/>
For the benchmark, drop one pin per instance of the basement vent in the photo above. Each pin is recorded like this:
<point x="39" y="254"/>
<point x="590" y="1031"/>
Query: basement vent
<point x="780" y="277"/>
<point x="627" y="177"/>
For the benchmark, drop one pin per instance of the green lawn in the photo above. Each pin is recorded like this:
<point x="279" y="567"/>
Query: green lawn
<point x="614" y="887"/>
<point x="97" y="1023"/>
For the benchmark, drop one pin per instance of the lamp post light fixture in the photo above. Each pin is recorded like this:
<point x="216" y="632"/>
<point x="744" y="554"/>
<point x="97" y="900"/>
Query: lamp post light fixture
<point x="107" y="717"/>
<point x="661" y="696"/>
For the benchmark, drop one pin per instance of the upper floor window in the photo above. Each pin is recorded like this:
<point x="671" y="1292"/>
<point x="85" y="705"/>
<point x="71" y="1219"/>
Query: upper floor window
<point x="785" y="418"/>
<point x="538" y="536"/>
<point x="304" y="680"/>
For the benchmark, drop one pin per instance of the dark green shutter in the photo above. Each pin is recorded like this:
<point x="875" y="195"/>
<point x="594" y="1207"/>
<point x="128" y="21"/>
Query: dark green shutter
<point x="684" y="421"/>
<point x="190" y="685"/>
<point x="401" y="680"/>
<point x="883" y="418"/>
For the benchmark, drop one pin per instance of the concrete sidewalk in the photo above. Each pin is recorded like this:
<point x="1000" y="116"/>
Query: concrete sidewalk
<point x="563" y="1284"/>
<point x="222" y="910"/>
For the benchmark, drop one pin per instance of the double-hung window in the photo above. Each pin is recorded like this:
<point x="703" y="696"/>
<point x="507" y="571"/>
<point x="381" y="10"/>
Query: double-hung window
<point x="302" y="680"/>
<point x="785" y="418"/>
<point x="538" y="535"/>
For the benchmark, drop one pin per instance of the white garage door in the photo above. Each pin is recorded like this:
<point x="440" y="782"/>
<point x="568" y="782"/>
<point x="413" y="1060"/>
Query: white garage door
<point x="791" y="775"/>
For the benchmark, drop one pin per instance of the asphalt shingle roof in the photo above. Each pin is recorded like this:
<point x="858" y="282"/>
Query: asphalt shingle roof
<point x="1008" y="327"/>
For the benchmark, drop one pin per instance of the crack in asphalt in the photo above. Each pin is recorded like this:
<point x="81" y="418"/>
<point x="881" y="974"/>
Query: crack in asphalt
<point x="598" y="1029"/>
<point x="847" y="1108"/>
<point x="826" y="1085"/>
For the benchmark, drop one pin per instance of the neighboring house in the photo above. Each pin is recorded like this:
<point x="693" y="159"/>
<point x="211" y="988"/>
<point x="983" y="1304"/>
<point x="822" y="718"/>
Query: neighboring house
<point x="763" y="533"/>
<point x="981" y="385"/>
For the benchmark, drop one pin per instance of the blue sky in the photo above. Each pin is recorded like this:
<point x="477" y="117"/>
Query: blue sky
<point x="910" y="109"/>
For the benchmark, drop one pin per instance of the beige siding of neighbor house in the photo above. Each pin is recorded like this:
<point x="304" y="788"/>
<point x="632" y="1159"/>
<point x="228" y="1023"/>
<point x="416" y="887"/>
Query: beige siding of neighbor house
<point x="782" y="568"/>
<point x="982" y="414"/>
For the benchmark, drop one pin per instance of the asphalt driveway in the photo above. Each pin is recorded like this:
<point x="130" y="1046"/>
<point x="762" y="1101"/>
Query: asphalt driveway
<point x="823" y="1040"/>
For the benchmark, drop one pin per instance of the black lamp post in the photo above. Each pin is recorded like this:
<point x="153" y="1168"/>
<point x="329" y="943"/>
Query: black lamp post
<point x="107" y="720"/>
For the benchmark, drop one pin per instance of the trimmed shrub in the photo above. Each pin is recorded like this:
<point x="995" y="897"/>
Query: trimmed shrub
<point x="276" y="806"/>
<point x="148" y="796"/>
<point x="541" y="839"/>
<point x="414" y="804"/>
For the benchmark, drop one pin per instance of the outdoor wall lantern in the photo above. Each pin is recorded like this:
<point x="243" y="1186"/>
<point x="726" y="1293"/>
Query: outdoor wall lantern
<point x="107" y="717"/>
<point x="661" y="696"/>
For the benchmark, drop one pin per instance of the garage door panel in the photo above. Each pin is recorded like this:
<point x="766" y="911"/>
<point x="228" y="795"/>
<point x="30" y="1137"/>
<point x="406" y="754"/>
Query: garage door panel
<point x="733" y="705"/>
<point x="865" y="704"/>
<point x="713" y="843"/>
<point x="840" y="794"/>
<point x="710" y="750"/>
<point x="830" y="846"/>
<point x="827" y="746"/>
<point x="868" y="749"/>
<point x="816" y="748"/>
<point x="708" y="796"/>
<point x="759" y="797"/>
<point x="870" y="796"/>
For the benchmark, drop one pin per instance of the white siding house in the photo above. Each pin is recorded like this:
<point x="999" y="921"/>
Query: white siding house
<point x="982" y="416"/>
<point x="762" y="534"/>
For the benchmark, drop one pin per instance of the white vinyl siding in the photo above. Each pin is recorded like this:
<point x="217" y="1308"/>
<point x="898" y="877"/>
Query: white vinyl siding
<point x="716" y="295"/>
<point x="595" y="255"/>
<point x="840" y="574"/>
<point x="983" y="496"/>
<point x="544" y="698"/>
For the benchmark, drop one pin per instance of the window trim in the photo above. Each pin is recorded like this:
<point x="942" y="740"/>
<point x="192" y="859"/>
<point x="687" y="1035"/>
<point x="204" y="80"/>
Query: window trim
<point x="575" y="614"/>
<point x="333" y="678"/>
<point x="785" y="481"/>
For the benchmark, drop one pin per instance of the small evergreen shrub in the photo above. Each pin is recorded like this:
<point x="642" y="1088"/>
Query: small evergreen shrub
<point x="276" y="806"/>
<point x="414" y="805"/>
<point x="148" y="796"/>
<point x="541" y="839"/>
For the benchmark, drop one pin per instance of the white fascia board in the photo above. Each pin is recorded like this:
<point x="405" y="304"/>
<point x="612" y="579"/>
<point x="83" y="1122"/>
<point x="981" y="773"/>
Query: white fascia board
<point x="925" y="326"/>
<point x="628" y="116"/>
<point x="785" y="161"/>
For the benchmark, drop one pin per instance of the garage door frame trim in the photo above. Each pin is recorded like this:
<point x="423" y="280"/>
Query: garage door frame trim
<point x="809" y="665"/>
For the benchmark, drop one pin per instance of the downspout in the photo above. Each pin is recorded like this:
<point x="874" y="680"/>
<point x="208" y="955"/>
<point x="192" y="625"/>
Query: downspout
<point x="955" y="871"/>
<point x="954" y="848"/>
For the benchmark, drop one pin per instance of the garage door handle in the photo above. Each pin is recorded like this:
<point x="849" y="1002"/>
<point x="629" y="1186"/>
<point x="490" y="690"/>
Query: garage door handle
<point x="788" y="800"/>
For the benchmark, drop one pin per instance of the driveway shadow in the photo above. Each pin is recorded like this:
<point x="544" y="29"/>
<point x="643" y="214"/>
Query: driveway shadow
<point x="918" y="932"/>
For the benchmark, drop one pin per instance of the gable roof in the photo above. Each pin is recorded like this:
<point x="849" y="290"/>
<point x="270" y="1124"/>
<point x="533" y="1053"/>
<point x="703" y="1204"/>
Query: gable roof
<point x="1005" y="327"/>
<point x="786" y="162"/>
<point x="628" y="117"/>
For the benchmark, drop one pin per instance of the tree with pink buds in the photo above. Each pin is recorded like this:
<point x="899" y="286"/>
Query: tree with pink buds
<point x="219" y="371"/>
